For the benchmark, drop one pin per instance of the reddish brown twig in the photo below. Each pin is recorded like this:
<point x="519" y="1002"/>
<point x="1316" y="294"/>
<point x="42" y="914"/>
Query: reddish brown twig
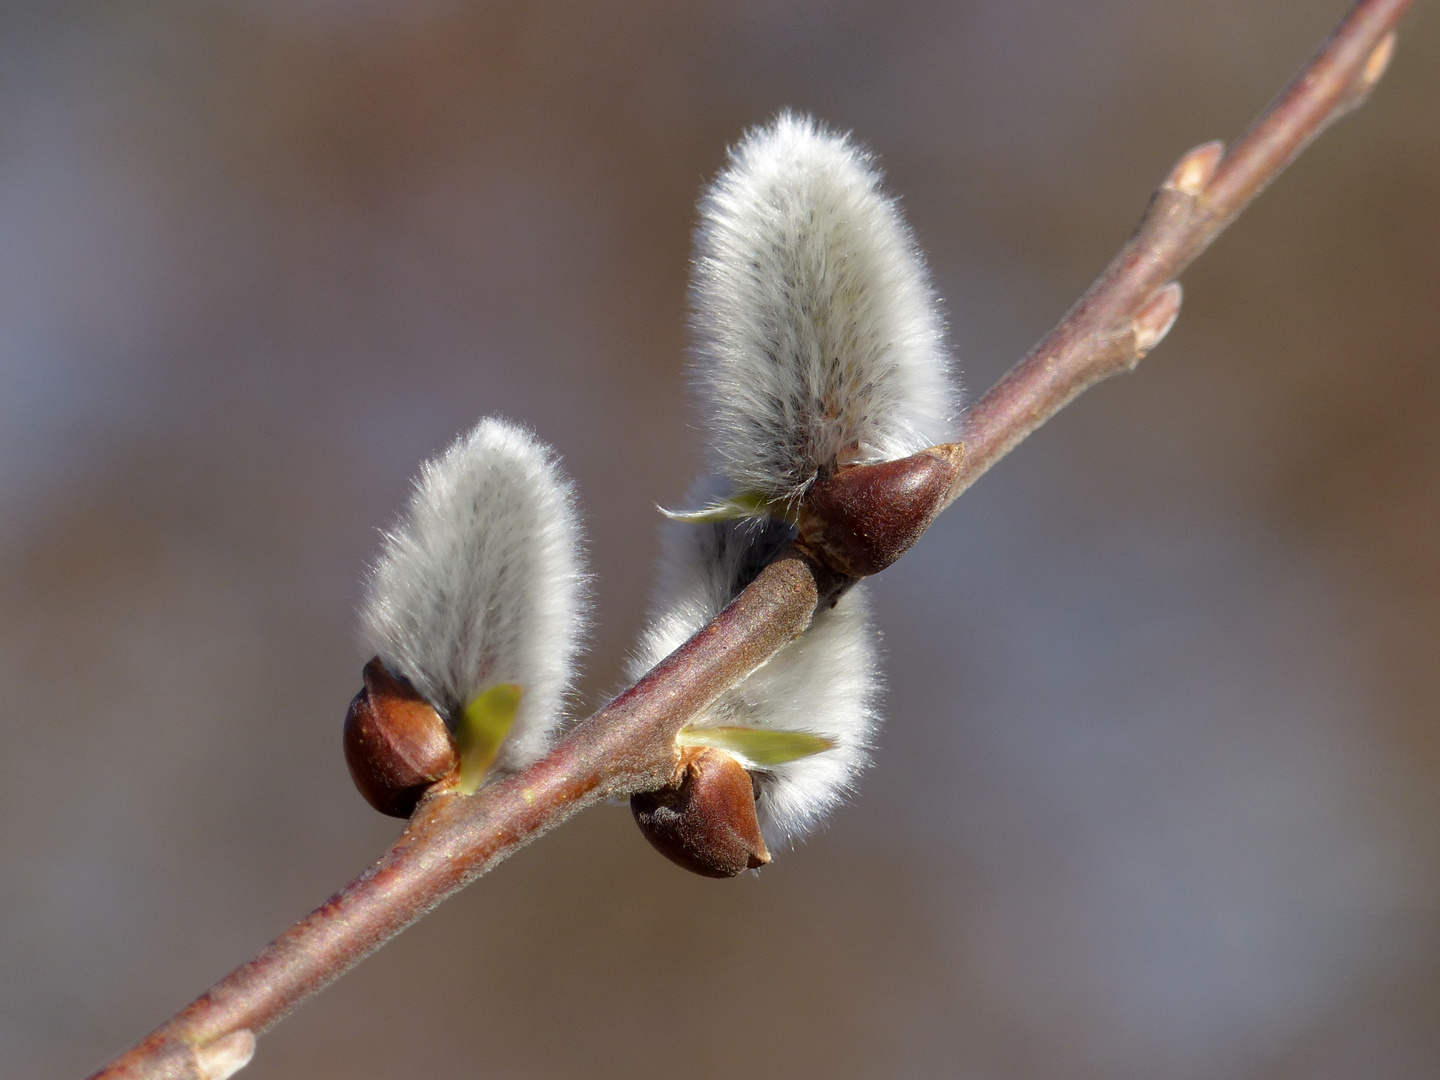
<point x="1132" y="304"/>
<point x="629" y="745"/>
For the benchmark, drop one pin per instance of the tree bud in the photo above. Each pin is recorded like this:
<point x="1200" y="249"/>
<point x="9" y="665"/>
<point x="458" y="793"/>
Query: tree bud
<point x="862" y="518"/>
<point x="705" y="823"/>
<point x="396" y="744"/>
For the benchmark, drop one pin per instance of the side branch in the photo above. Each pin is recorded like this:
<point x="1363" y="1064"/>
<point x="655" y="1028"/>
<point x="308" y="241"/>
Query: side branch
<point x="629" y="746"/>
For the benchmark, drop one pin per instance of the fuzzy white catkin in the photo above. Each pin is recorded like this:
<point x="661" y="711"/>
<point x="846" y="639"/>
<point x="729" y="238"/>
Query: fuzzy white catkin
<point x="482" y="582"/>
<point x="826" y="682"/>
<point x="819" y="340"/>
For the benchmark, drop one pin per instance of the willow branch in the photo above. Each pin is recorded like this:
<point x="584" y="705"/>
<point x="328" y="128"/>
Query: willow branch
<point x="629" y="746"/>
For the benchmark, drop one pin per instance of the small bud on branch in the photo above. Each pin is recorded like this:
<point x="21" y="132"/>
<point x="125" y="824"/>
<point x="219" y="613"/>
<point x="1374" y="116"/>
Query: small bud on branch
<point x="1379" y="60"/>
<point x="1193" y="171"/>
<point x="225" y="1057"/>
<point x="1156" y="318"/>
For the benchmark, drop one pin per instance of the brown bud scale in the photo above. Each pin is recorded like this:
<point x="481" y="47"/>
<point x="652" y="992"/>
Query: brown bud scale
<point x="862" y="518"/>
<point x="706" y="822"/>
<point x="396" y="744"/>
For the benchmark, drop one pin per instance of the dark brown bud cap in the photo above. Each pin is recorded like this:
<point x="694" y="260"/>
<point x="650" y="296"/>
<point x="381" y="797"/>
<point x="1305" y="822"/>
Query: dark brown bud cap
<point x="395" y="743"/>
<point x="705" y="823"/>
<point x="862" y="518"/>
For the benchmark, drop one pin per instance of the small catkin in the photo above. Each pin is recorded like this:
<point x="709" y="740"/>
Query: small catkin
<point x="482" y="583"/>
<point x="819" y="340"/>
<point x="825" y="683"/>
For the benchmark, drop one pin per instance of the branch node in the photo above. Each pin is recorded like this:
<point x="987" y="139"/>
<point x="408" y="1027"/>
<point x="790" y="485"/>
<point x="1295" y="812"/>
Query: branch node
<point x="1156" y="318"/>
<point x="1193" y="171"/>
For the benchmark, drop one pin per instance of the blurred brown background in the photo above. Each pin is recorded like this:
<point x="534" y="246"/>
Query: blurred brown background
<point x="1158" y="794"/>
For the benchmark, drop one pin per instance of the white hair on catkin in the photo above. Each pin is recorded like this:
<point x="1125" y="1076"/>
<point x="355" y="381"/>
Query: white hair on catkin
<point x="819" y="339"/>
<point x="482" y="582"/>
<point x="826" y="682"/>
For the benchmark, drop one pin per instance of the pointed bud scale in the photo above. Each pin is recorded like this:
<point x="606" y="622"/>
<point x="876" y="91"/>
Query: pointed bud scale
<point x="481" y="584"/>
<point x="861" y="519"/>
<point x="819" y="339"/>
<point x="395" y="743"/>
<point x="706" y="822"/>
<point x="818" y="694"/>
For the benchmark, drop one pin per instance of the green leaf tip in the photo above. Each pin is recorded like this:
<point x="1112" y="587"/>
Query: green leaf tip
<point x="747" y="504"/>
<point x="757" y="748"/>
<point x="483" y="727"/>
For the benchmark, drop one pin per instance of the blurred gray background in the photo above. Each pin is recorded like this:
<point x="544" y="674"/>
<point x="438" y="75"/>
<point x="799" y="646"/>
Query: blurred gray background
<point x="1158" y="792"/>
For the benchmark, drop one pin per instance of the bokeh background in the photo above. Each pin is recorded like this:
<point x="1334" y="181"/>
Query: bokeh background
<point x="1159" y="794"/>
